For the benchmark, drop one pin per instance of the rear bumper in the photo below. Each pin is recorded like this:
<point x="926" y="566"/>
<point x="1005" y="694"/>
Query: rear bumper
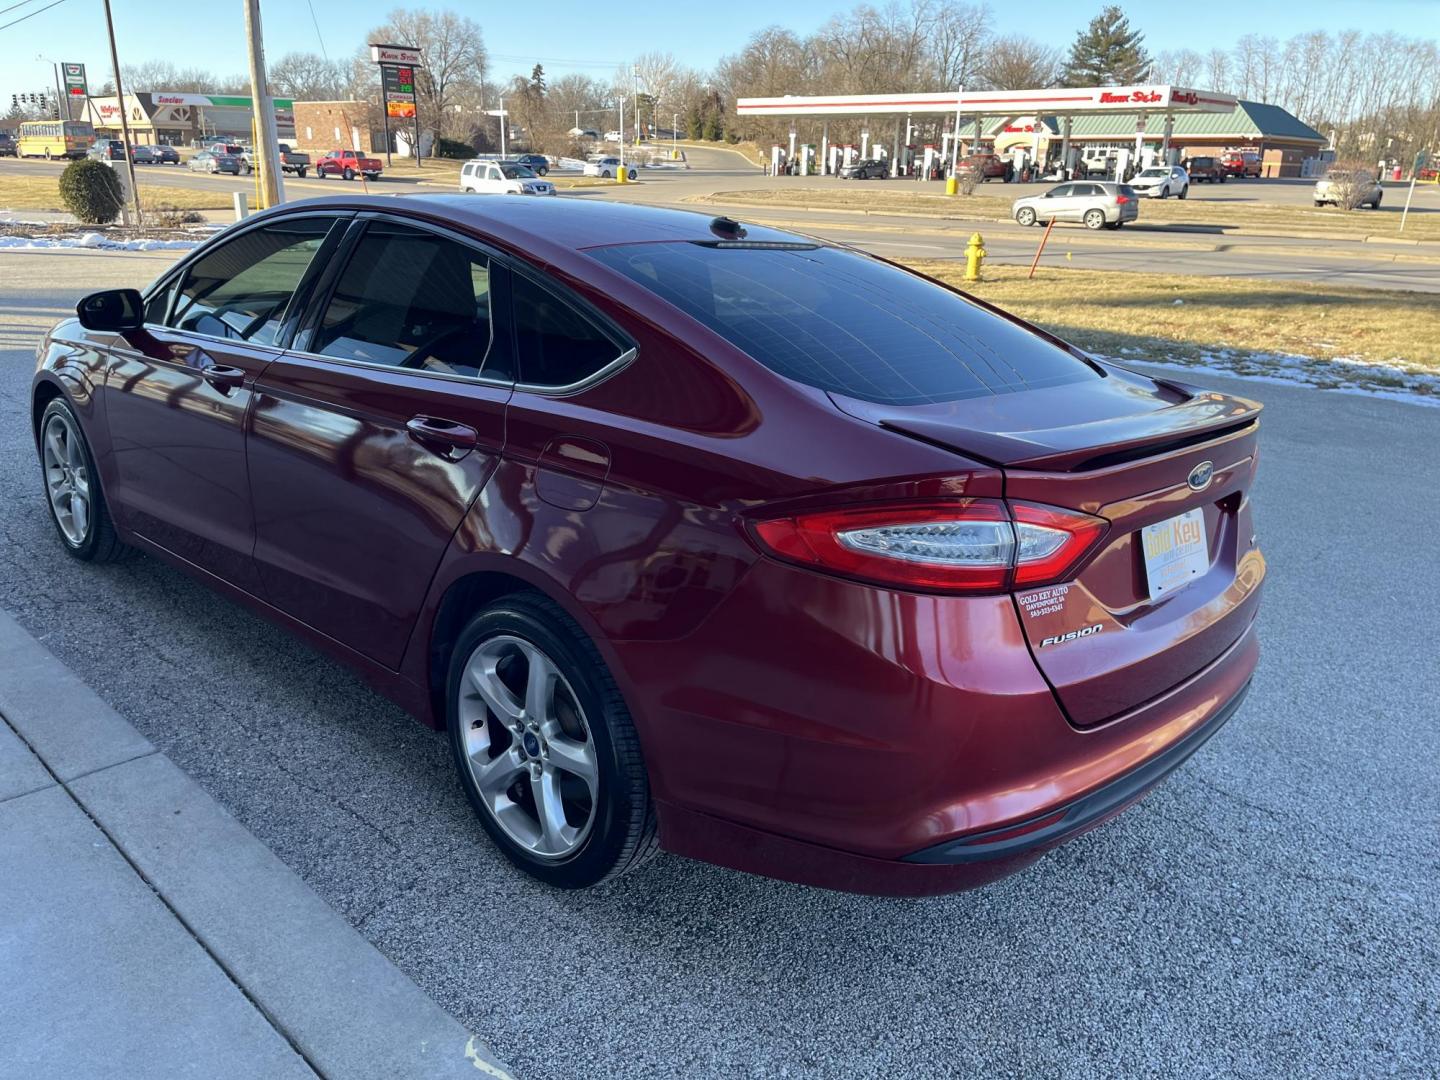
<point x="1100" y="772"/>
<point x="1055" y="827"/>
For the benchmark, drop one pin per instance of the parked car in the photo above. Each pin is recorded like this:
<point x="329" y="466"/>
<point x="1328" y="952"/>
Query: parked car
<point x="612" y="136"/>
<point x="602" y="166"/>
<point x="212" y="161"/>
<point x="143" y="155"/>
<point x="8" y="145"/>
<point x="1347" y="189"/>
<point x="107" y="150"/>
<point x="292" y="161"/>
<point x="1161" y="182"/>
<point x="1206" y="169"/>
<point x="1095" y="204"/>
<point x="539" y="164"/>
<point x="348" y="164"/>
<point x="1241" y="163"/>
<point x="665" y="576"/>
<point x="863" y="169"/>
<point x="502" y="178"/>
<point x="987" y="166"/>
<point x="165" y="155"/>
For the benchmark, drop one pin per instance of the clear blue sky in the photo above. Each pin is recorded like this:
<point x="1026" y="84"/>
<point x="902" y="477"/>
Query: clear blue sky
<point x="594" y="32"/>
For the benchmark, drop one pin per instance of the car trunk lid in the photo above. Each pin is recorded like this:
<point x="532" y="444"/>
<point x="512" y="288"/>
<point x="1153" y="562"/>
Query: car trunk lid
<point x="1105" y="640"/>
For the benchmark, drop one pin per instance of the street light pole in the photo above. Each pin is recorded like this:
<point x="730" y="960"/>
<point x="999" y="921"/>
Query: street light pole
<point x="267" y="154"/>
<point x="124" y="119"/>
<point x="502" y="125"/>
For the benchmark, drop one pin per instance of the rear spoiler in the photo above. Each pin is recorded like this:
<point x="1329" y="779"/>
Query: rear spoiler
<point x="1099" y="444"/>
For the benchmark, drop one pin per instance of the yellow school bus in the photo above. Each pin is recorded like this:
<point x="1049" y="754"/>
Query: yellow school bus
<point x="55" y="139"/>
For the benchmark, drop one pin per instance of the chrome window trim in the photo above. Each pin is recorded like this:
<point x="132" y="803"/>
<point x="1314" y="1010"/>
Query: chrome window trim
<point x="365" y="365"/>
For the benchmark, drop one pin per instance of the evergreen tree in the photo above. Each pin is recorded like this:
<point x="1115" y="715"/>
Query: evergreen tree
<point x="537" y="80"/>
<point x="1107" y="52"/>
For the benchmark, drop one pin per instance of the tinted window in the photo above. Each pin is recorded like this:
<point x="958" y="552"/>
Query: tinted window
<point x="843" y="322"/>
<point x="159" y="304"/>
<point x="240" y="289"/>
<point x="1061" y="192"/>
<point x="558" y="346"/>
<point x="412" y="299"/>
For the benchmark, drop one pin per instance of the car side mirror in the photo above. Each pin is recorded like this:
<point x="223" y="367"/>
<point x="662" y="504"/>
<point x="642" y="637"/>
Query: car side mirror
<point x="113" y="309"/>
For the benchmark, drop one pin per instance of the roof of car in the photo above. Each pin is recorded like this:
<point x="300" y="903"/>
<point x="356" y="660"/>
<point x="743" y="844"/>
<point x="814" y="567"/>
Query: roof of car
<point x="569" y="224"/>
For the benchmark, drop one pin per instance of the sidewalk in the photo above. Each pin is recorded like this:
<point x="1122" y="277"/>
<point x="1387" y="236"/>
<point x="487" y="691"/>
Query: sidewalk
<point x="145" y="933"/>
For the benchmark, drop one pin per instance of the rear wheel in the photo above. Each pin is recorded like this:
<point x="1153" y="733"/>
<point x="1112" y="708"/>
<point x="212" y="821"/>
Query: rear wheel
<point x="300" y="173"/>
<point x="348" y="174"/>
<point x="72" y="488"/>
<point x="545" y="747"/>
<point x="1094" y="219"/>
<point x="1025" y="216"/>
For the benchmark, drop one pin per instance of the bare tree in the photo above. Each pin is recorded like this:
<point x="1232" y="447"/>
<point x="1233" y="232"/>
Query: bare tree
<point x="450" y="80"/>
<point x="958" y="37"/>
<point x="307" y="77"/>
<point x="1019" y="63"/>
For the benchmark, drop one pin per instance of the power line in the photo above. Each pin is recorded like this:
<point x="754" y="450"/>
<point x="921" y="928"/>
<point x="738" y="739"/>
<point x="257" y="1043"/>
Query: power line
<point x="38" y="11"/>
<point x="319" y="36"/>
<point x="12" y="7"/>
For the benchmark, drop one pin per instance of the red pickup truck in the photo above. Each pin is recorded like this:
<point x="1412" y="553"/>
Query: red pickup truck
<point x="347" y="163"/>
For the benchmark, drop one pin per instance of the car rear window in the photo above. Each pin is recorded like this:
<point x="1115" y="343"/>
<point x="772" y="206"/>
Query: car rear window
<point x="846" y="323"/>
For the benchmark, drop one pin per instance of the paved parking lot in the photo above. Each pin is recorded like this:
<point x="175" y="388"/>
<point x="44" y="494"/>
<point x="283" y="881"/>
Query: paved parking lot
<point x="1271" y="911"/>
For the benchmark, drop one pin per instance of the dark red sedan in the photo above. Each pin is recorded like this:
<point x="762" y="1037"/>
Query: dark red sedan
<point x="689" y="534"/>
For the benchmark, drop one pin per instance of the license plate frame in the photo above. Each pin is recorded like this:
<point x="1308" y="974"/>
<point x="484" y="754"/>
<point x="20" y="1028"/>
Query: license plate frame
<point x="1175" y="551"/>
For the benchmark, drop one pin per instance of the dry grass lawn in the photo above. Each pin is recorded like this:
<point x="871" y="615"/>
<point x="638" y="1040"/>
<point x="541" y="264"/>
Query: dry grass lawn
<point x="1174" y="317"/>
<point x="43" y="193"/>
<point x="1193" y="213"/>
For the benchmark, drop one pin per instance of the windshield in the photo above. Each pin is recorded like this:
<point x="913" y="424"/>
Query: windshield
<point x="846" y="323"/>
<point x="517" y="172"/>
<point x="1159" y="173"/>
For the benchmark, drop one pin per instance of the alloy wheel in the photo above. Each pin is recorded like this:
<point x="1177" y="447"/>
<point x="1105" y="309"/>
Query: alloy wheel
<point x="67" y="480"/>
<point x="528" y="746"/>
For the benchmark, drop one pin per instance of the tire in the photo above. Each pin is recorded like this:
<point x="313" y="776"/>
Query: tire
<point x="299" y="174"/>
<point x="1319" y="203"/>
<point x="94" y="540"/>
<point x="1165" y="192"/>
<point x="321" y="174"/>
<point x="542" y="171"/>
<point x="1376" y="204"/>
<point x="1094" y="219"/>
<point x="348" y="174"/>
<point x="1025" y="216"/>
<point x="585" y="713"/>
<point x="372" y="176"/>
<point x="1185" y="191"/>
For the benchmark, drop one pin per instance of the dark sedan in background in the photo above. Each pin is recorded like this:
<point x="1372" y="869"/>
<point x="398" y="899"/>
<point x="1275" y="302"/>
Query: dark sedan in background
<point x="689" y="535"/>
<point x="215" y="161"/>
<point x="864" y="169"/>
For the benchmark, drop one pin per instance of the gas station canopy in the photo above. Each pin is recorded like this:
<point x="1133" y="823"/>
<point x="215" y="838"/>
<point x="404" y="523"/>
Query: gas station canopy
<point x="1070" y="101"/>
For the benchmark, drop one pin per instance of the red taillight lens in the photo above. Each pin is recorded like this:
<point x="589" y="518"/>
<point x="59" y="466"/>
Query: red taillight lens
<point x="1122" y="199"/>
<point x="970" y="546"/>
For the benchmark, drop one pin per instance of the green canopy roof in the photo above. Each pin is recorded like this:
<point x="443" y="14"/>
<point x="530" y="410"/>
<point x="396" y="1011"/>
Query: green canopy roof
<point x="1248" y="121"/>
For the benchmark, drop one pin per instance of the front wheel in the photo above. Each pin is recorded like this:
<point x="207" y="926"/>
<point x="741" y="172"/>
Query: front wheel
<point x="542" y="171"/>
<point x="545" y="747"/>
<point x="1165" y="192"/>
<point x="72" y="488"/>
<point x="1025" y="216"/>
<point x="1094" y="219"/>
<point x="321" y="174"/>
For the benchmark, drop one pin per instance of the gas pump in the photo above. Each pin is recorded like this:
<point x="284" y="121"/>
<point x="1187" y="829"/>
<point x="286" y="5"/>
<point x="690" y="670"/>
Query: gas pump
<point x="807" y="159"/>
<point x="849" y="153"/>
<point x="1122" y="164"/>
<point x="927" y="163"/>
<point x="835" y="153"/>
<point x="777" y="158"/>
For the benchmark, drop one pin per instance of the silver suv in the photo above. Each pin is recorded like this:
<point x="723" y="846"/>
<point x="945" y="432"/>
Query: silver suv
<point x="1094" y="203"/>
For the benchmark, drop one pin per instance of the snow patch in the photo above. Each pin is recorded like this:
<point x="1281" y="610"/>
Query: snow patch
<point x="93" y="240"/>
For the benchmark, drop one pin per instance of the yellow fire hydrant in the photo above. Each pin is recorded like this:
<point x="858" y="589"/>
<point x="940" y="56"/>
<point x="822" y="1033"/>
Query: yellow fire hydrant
<point x="974" y="257"/>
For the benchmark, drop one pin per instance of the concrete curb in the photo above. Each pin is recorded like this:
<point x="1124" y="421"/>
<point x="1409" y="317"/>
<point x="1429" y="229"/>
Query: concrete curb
<point x="339" y="1004"/>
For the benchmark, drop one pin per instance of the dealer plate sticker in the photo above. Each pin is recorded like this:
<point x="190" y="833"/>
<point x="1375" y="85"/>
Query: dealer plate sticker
<point x="1175" y="552"/>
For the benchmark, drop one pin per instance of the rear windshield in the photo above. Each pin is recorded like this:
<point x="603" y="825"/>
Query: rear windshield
<point x="842" y="322"/>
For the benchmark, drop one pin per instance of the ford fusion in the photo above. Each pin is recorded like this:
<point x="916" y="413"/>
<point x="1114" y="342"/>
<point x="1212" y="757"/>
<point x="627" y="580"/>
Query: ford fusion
<point x="689" y="535"/>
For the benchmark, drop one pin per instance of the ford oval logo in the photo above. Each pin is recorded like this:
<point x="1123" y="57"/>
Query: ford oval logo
<point x="1200" y="476"/>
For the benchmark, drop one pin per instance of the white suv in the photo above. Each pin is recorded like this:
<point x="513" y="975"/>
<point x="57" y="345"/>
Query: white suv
<point x="502" y="178"/>
<point x="1162" y="181"/>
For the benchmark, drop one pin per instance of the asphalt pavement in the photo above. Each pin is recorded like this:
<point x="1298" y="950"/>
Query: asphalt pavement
<point x="1270" y="911"/>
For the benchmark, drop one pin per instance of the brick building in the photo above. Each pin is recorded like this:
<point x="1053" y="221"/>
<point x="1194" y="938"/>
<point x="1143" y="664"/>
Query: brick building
<point x="334" y="125"/>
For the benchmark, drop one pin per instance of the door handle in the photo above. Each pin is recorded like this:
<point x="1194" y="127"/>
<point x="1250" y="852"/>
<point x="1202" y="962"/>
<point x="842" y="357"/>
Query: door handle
<point x="223" y="378"/>
<point x="446" y="437"/>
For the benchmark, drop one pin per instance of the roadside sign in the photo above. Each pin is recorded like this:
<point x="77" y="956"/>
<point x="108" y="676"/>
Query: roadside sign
<point x="75" y="80"/>
<point x="395" y="54"/>
<point x="398" y="82"/>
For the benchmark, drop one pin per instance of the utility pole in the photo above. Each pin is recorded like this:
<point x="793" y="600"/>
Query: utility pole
<point x="124" y="117"/>
<point x="267" y="153"/>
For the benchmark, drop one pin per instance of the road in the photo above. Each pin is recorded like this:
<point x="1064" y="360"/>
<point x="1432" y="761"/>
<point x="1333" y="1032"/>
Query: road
<point x="1270" y="911"/>
<point x="1275" y="258"/>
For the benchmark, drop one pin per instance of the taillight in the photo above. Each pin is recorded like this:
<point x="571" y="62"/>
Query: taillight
<point x="1122" y="199"/>
<point x="966" y="546"/>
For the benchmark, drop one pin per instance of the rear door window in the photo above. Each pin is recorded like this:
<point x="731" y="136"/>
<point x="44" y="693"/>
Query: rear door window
<point x="411" y="298"/>
<point x="846" y="323"/>
<point x="559" y="346"/>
